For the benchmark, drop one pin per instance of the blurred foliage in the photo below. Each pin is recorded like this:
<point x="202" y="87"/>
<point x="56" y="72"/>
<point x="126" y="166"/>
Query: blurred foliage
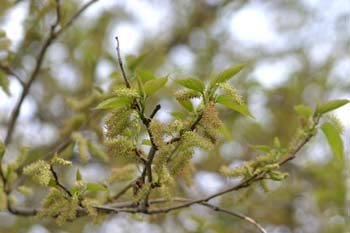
<point x="192" y="39"/>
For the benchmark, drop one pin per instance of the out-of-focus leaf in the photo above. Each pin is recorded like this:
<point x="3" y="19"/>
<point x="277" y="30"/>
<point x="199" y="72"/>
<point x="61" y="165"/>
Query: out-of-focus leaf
<point x="4" y="82"/>
<point x="187" y="104"/>
<point x="226" y="132"/>
<point x="303" y="110"/>
<point x="226" y="74"/>
<point x="114" y="102"/>
<point x="133" y="62"/>
<point x="145" y="75"/>
<point x="151" y="86"/>
<point x="330" y="106"/>
<point x="146" y="142"/>
<point x="262" y="148"/>
<point x="78" y="176"/>
<point x="333" y="138"/>
<point x="179" y="115"/>
<point x="192" y="83"/>
<point x="5" y="44"/>
<point x="228" y="101"/>
<point x="96" y="187"/>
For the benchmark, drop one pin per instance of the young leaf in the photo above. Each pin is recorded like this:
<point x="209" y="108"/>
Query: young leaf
<point x="226" y="74"/>
<point x="333" y="138"/>
<point x="228" y="101"/>
<point x="4" y="83"/>
<point x="133" y="62"/>
<point x="145" y="75"/>
<point x="178" y="115"/>
<point x="78" y="176"/>
<point x="192" y="83"/>
<point x="146" y="142"/>
<point x="261" y="148"/>
<point x="96" y="187"/>
<point x="151" y="86"/>
<point x="114" y="102"/>
<point x="303" y="110"/>
<point x="187" y="105"/>
<point x="330" y="106"/>
<point x="226" y="132"/>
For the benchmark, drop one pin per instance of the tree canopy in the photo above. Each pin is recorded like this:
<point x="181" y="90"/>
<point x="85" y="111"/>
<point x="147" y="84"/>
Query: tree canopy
<point x="174" y="116"/>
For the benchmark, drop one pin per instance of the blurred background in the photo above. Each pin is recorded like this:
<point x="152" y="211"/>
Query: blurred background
<point x="296" y="52"/>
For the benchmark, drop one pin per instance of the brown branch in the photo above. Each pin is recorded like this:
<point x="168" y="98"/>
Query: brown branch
<point x="58" y="183"/>
<point x="75" y="16"/>
<point x="154" y="112"/>
<point x="8" y="71"/>
<point x="130" y="207"/>
<point x="53" y="35"/>
<point x="235" y="214"/>
<point x="120" y="61"/>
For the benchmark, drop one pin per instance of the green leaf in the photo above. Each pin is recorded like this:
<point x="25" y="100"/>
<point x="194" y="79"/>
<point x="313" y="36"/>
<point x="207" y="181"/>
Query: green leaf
<point x="187" y="104"/>
<point x="228" y="101"/>
<point x="134" y="61"/>
<point x="226" y="74"/>
<point x="330" y="106"/>
<point x="226" y="132"/>
<point x="96" y="187"/>
<point x="145" y="75"/>
<point x="262" y="148"/>
<point x="179" y="115"/>
<point x="146" y="142"/>
<point x="5" y="44"/>
<point x="303" y="110"/>
<point x="78" y="176"/>
<point x="192" y="83"/>
<point x="333" y="138"/>
<point x="95" y="150"/>
<point x="4" y="82"/>
<point x="151" y="86"/>
<point x="114" y="102"/>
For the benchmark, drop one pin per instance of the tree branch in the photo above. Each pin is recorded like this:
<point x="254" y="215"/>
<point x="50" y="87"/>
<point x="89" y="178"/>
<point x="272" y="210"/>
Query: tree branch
<point x="120" y="61"/>
<point x="53" y="35"/>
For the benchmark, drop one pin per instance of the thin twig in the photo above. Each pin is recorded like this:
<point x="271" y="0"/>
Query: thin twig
<point x="53" y="35"/>
<point x="58" y="183"/>
<point x="75" y="16"/>
<point x="235" y="214"/>
<point x="7" y="70"/>
<point x="120" y="61"/>
<point x="155" y="110"/>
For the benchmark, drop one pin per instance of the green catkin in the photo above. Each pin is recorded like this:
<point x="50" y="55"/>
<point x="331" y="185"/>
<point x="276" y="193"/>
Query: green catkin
<point x="88" y="203"/>
<point x="187" y="174"/>
<point x="60" y="161"/>
<point x="186" y="94"/>
<point x="121" y="146"/>
<point x="72" y="124"/>
<point x="126" y="92"/>
<point x="141" y="194"/>
<point x="82" y="146"/>
<point x="210" y="117"/>
<point x="39" y="171"/>
<point x="158" y="130"/>
<point x="120" y="174"/>
<point x="25" y="190"/>
<point x="231" y="91"/>
<point x="162" y="156"/>
<point x="57" y="205"/>
<point x="117" y="122"/>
